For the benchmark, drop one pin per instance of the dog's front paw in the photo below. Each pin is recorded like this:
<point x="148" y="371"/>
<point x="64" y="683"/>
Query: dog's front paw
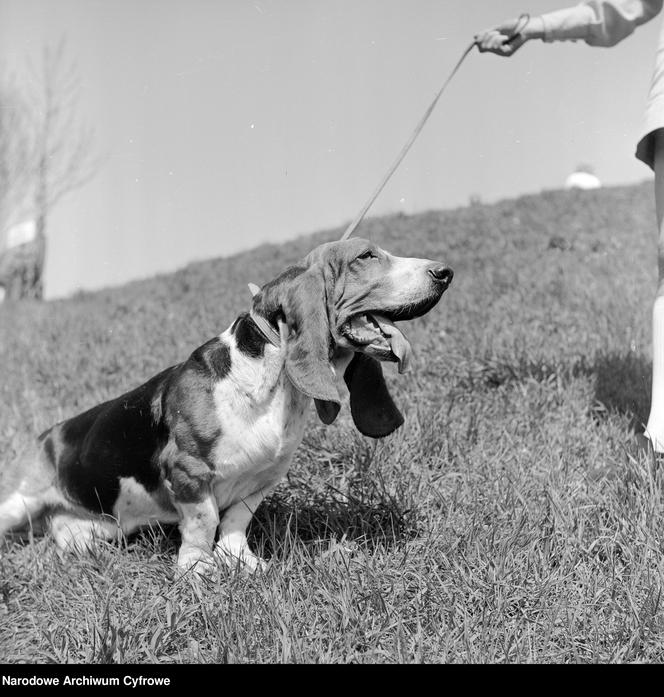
<point x="240" y="559"/>
<point x="194" y="561"/>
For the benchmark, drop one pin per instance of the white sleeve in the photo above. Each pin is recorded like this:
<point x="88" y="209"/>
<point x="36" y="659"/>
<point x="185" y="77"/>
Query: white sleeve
<point x="599" y="22"/>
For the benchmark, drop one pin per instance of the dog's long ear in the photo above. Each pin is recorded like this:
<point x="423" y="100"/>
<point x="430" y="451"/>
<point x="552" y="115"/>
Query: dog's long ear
<point x="300" y="296"/>
<point x="374" y="412"/>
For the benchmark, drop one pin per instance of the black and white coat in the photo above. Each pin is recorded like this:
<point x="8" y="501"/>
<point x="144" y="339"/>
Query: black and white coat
<point x="217" y="432"/>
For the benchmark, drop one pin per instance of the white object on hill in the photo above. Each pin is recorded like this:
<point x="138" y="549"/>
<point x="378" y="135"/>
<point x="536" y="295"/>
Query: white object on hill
<point x="20" y="234"/>
<point x="583" y="177"/>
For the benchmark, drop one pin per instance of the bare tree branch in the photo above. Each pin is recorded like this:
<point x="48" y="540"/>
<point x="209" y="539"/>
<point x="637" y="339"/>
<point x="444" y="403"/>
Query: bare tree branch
<point x="45" y="151"/>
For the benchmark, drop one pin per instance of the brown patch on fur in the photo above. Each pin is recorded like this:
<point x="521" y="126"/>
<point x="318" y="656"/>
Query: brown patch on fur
<point x="191" y="414"/>
<point x="190" y="479"/>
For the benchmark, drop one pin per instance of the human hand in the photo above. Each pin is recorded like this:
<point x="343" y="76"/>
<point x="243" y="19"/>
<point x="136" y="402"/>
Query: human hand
<point x="502" y="40"/>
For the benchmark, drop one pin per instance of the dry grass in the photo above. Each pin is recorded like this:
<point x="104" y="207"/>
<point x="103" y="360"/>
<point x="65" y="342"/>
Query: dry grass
<point x="511" y="519"/>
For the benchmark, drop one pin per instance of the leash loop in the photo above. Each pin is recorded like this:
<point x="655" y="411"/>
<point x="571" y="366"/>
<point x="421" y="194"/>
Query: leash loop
<point x="520" y="25"/>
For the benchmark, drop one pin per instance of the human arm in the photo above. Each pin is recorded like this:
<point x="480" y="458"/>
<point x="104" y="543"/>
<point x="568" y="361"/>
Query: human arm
<point x="597" y="22"/>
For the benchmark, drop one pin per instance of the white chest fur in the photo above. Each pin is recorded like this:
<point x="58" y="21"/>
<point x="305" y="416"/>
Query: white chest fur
<point x="262" y="418"/>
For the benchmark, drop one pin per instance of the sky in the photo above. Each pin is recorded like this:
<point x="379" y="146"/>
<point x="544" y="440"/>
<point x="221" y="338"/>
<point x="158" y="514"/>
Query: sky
<point x="223" y="124"/>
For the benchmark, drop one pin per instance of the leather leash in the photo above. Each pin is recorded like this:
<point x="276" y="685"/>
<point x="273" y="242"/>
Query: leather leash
<point x="518" y="28"/>
<point x="521" y="23"/>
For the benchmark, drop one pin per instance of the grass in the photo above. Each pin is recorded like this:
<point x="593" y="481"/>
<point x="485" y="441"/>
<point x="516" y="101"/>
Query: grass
<point x="512" y="519"/>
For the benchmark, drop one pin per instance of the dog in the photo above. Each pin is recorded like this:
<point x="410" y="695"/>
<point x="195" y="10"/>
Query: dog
<point x="217" y="432"/>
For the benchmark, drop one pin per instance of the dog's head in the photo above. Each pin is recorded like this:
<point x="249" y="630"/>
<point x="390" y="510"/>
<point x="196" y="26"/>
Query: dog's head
<point x="340" y="306"/>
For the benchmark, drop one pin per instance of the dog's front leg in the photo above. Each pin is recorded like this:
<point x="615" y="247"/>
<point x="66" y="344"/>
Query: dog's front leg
<point x="198" y="524"/>
<point x="232" y="547"/>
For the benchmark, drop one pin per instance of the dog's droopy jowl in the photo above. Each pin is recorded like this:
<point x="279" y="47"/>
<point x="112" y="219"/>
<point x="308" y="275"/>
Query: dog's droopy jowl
<point x="217" y="432"/>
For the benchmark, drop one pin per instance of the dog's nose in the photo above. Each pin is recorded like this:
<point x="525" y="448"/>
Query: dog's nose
<point x="442" y="274"/>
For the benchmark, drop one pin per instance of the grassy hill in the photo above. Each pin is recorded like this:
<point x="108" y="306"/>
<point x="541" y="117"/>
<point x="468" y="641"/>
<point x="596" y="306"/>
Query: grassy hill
<point x="510" y="519"/>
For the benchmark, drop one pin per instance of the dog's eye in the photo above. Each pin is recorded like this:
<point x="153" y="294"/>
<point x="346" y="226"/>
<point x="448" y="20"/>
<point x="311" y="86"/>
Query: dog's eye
<point x="367" y="255"/>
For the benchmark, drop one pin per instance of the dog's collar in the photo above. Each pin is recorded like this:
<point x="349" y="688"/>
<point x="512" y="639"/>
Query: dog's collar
<point x="266" y="329"/>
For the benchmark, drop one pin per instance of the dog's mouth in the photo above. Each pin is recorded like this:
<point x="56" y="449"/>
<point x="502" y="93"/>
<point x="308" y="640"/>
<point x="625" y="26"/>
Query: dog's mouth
<point x="377" y="335"/>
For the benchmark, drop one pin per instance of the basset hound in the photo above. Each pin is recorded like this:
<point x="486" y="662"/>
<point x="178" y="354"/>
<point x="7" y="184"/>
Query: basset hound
<point x="217" y="432"/>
